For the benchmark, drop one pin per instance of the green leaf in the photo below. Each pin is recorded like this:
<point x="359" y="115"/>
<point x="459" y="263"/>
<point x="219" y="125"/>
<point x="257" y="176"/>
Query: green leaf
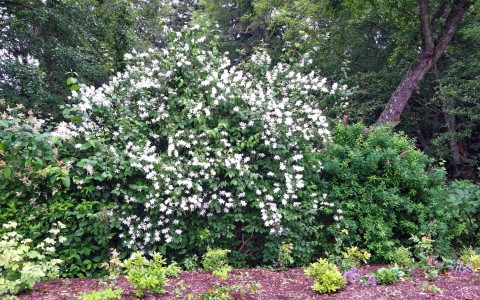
<point x="66" y="181"/>
<point x="74" y="87"/>
<point x="71" y="80"/>
<point x="86" y="146"/>
<point x="7" y="172"/>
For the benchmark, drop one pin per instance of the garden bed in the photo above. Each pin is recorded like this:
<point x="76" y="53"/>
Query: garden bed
<point x="269" y="284"/>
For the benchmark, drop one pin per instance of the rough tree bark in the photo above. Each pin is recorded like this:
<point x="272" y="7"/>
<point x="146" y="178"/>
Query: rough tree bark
<point x="433" y="46"/>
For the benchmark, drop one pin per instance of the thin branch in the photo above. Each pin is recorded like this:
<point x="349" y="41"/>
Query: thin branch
<point x="438" y="14"/>
<point x="451" y="24"/>
<point x="17" y="3"/>
<point x="427" y="36"/>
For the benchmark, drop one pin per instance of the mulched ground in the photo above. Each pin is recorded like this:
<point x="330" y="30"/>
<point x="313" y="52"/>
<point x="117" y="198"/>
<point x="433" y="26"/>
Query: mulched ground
<point x="273" y="285"/>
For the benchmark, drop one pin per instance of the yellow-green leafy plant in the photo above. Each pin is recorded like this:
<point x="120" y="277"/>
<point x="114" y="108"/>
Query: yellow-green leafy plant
<point x="326" y="276"/>
<point x="471" y="258"/>
<point x="106" y="294"/>
<point x="402" y="257"/>
<point x="173" y="270"/>
<point x="425" y="251"/>
<point x="216" y="262"/>
<point x="147" y="276"/>
<point x="285" y="255"/>
<point x="113" y="266"/>
<point x="22" y="264"/>
<point x="427" y="288"/>
<point x="354" y="257"/>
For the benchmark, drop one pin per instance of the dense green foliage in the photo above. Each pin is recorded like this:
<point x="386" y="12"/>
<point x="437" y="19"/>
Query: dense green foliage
<point x="383" y="189"/>
<point x="37" y="177"/>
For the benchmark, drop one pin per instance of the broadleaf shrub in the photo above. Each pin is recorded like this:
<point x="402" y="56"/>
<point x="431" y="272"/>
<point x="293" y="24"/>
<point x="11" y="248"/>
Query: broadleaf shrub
<point x="183" y="143"/>
<point x="42" y="184"/>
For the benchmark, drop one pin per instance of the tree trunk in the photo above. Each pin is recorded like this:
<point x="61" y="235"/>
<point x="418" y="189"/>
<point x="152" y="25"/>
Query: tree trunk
<point x="452" y="131"/>
<point x="404" y="90"/>
<point x="430" y="53"/>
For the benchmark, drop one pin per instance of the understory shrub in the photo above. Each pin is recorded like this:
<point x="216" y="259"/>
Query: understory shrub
<point x="387" y="276"/>
<point x="173" y="270"/>
<point x="470" y="258"/>
<point x="402" y="257"/>
<point x="462" y="211"/>
<point x="381" y="190"/>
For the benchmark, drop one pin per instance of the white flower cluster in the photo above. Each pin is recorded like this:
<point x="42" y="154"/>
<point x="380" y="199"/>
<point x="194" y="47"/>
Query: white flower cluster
<point x="206" y="137"/>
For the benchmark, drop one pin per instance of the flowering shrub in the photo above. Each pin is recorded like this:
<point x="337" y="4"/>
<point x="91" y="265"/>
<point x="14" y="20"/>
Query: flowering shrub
<point x="198" y="143"/>
<point x="22" y="263"/>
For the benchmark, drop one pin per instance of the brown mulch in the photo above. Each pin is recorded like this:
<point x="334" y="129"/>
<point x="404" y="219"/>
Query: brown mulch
<point x="273" y="285"/>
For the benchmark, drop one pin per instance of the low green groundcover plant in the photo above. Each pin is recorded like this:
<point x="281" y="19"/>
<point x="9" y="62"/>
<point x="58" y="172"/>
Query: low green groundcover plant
<point x="173" y="270"/>
<point x="105" y="294"/>
<point x="387" y="276"/>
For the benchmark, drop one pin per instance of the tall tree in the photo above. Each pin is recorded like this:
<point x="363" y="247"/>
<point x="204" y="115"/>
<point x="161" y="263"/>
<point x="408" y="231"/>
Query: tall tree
<point x="436" y="35"/>
<point x="41" y="40"/>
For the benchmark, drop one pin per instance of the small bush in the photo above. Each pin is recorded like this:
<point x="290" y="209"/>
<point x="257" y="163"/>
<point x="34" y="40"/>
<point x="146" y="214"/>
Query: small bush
<point x="387" y="276"/>
<point x="326" y="276"/>
<point x="427" y="288"/>
<point x="147" y="276"/>
<point x="22" y="263"/>
<point x="471" y="258"/>
<point x="402" y="257"/>
<point x="173" y="270"/>
<point x="463" y="213"/>
<point x="354" y="257"/>
<point x="380" y="188"/>
<point x="285" y="255"/>
<point x="216" y="262"/>
<point x="190" y="263"/>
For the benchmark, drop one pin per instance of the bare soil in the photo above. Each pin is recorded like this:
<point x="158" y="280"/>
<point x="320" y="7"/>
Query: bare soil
<point x="265" y="284"/>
